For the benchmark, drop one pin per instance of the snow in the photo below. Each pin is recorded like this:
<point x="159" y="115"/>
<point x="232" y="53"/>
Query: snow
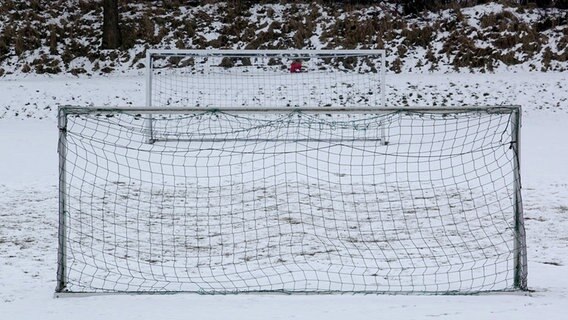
<point x="28" y="207"/>
<point x="38" y="140"/>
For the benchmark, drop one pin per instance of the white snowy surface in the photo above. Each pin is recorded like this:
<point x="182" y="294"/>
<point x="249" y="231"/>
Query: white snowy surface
<point x="28" y="208"/>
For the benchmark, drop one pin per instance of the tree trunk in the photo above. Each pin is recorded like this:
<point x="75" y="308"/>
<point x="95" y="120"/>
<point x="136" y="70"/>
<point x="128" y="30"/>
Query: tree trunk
<point x="111" y="32"/>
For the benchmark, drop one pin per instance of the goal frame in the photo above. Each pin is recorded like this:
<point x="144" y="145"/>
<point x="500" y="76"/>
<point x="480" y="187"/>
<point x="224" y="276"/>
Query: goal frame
<point x="259" y="53"/>
<point x="520" y="253"/>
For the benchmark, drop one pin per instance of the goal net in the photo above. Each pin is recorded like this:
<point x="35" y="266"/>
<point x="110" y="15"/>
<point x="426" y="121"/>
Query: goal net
<point x="268" y="78"/>
<point x="295" y="201"/>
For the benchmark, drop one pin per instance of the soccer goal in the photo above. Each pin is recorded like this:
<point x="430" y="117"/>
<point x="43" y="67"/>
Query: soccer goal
<point x="264" y="78"/>
<point x="245" y="200"/>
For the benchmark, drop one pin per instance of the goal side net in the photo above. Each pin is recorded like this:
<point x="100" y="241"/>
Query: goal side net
<point x="310" y="201"/>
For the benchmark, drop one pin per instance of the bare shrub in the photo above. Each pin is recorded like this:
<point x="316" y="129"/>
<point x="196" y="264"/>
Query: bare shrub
<point x="227" y="63"/>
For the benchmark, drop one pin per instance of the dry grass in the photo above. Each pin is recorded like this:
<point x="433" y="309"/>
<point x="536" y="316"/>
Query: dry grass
<point x="28" y="27"/>
<point x="499" y="21"/>
<point x="396" y="66"/>
<point x="86" y="6"/>
<point x="45" y="64"/>
<point x="416" y="36"/>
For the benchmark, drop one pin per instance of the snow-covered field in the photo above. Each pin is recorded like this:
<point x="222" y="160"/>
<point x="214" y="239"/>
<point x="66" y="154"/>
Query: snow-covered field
<point x="28" y="207"/>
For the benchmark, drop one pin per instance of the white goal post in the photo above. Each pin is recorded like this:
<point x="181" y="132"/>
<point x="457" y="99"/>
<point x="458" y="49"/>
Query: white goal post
<point x="265" y="79"/>
<point x="308" y="200"/>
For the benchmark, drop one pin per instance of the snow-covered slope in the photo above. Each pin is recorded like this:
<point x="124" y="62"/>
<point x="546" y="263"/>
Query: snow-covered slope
<point x="52" y="37"/>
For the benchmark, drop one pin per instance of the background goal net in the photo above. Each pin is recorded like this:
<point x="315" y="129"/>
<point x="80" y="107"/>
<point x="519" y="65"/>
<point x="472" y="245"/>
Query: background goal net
<point x="307" y="200"/>
<point x="267" y="78"/>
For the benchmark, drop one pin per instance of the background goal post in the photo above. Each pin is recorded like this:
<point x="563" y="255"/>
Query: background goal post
<point x="265" y="78"/>
<point x="296" y="201"/>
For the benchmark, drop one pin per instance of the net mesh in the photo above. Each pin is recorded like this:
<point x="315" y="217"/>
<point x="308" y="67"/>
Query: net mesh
<point x="290" y="202"/>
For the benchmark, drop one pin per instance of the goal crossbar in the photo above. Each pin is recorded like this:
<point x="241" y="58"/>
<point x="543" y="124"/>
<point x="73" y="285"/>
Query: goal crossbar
<point x="267" y="52"/>
<point x="502" y="109"/>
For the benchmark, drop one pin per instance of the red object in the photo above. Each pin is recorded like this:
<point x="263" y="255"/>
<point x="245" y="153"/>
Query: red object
<point x="296" y="67"/>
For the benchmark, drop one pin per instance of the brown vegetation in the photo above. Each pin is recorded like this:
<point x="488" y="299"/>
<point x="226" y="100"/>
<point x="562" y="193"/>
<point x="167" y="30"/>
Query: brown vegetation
<point x="34" y="36"/>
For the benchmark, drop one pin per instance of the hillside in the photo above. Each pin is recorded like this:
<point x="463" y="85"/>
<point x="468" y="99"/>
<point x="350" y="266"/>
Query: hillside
<point x="54" y="37"/>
